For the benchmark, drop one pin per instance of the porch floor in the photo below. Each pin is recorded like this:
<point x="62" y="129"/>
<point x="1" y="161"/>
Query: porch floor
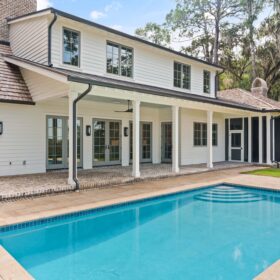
<point x="56" y="181"/>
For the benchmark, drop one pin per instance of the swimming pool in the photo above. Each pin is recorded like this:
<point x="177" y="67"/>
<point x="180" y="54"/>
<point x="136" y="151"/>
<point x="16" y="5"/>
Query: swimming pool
<point x="220" y="232"/>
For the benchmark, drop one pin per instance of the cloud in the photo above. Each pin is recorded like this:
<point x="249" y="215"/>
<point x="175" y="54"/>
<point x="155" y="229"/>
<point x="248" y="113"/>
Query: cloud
<point x="43" y="4"/>
<point x="113" y="6"/>
<point x="97" y="15"/>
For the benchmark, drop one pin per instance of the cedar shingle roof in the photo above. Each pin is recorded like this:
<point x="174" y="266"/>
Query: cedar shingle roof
<point x="12" y="85"/>
<point x="247" y="98"/>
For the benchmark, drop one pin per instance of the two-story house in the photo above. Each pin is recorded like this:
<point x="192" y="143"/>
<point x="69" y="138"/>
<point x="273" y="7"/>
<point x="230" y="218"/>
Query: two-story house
<point x="74" y="93"/>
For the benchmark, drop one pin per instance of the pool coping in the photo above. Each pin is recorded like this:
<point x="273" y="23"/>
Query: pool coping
<point x="11" y="266"/>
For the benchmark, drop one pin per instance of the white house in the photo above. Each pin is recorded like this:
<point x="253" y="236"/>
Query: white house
<point x="128" y="101"/>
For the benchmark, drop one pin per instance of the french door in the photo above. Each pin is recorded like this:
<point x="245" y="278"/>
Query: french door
<point x="145" y="142"/>
<point x="106" y="142"/>
<point x="58" y="142"/>
<point x="166" y="142"/>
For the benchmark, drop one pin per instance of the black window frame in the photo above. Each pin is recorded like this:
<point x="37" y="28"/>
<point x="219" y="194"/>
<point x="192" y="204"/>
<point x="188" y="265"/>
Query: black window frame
<point x="182" y="76"/>
<point x="200" y="130"/>
<point x="63" y="49"/>
<point x="120" y="48"/>
<point x="205" y="79"/>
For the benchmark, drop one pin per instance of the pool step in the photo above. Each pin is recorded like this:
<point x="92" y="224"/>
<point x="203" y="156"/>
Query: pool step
<point x="228" y="195"/>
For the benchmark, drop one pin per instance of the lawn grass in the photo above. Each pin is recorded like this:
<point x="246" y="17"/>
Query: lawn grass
<point x="272" y="172"/>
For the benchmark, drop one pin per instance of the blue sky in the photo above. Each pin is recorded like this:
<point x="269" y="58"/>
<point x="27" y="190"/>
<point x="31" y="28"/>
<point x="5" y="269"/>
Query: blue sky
<point x="124" y="15"/>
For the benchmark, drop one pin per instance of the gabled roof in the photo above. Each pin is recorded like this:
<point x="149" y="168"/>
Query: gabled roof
<point x="12" y="86"/>
<point x="247" y="98"/>
<point x="86" y="78"/>
<point x="111" y="30"/>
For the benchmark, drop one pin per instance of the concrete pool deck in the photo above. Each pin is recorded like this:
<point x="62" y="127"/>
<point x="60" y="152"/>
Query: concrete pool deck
<point x="13" y="212"/>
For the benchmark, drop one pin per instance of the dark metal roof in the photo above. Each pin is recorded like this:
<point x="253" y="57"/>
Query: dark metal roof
<point x="114" y="31"/>
<point x="86" y="78"/>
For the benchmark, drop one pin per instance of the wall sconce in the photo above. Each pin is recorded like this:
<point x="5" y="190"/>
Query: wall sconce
<point x="88" y="130"/>
<point x="1" y="128"/>
<point x="125" y="131"/>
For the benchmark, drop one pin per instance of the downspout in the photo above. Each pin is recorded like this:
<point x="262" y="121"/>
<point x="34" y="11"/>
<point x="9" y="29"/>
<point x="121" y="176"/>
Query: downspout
<point x="75" y="179"/>
<point x="50" y="40"/>
<point x="217" y="84"/>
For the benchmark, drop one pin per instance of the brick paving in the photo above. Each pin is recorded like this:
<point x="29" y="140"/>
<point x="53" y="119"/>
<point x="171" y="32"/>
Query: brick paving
<point x="56" y="181"/>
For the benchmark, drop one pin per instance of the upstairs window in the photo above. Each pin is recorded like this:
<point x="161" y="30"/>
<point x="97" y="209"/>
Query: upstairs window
<point x="206" y="81"/>
<point x="119" y="60"/>
<point x="200" y="134"/>
<point x="182" y="75"/>
<point x="71" y="47"/>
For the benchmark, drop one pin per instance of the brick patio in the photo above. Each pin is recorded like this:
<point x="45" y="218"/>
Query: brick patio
<point x="56" y="181"/>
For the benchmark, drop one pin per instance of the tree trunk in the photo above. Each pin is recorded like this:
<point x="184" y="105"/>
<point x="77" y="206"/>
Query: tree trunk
<point x="252" y="43"/>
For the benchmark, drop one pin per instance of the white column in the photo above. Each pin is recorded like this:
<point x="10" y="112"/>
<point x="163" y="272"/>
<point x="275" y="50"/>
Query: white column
<point x="136" y="139"/>
<point x="175" y="139"/>
<point x="249" y="139"/>
<point x="273" y="140"/>
<point x="125" y="143"/>
<point x="268" y="140"/>
<point x="260" y="140"/>
<point x="209" y="139"/>
<point x="71" y="97"/>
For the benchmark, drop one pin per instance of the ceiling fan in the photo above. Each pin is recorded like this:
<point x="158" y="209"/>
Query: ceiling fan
<point x="129" y="110"/>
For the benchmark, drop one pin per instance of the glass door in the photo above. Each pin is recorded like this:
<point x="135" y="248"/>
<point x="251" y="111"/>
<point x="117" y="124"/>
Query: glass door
<point x="236" y="140"/>
<point x="106" y="142"/>
<point x="55" y="143"/>
<point x="58" y="142"/>
<point x="166" y="142"/>
<point x="146" y="131"/>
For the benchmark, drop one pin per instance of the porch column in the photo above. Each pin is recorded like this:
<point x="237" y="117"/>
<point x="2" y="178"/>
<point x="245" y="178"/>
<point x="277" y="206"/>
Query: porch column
<point x="175" y="139"/>
<point x="136" y="138"/>
<point x="71" y="97"/>
<point x="260" y="140"/>
<point x="268" y="140"/>
<point x="249" y="139"/>
<point x="273" y="139"/>
<point x="209" y="139"/>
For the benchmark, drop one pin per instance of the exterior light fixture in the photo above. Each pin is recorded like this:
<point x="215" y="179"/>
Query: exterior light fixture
<point x="88" y="130"/>
<point x="1" y="128"/>
<point x="125" y="131"/>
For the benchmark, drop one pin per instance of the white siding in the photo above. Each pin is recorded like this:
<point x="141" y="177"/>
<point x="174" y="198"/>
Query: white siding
<point x="152" y="66"/>
<point x="191" y="154"/>
<point x="24" y="137"/>
<point x="29" y="39"/>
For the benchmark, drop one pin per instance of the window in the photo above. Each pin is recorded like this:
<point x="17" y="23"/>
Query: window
<point x="206" y="81"/>
<point x="71" y="47"/>
<point x="182" y="75"/>
<point x="200" y="134"/>
<point x="119" y="60"/>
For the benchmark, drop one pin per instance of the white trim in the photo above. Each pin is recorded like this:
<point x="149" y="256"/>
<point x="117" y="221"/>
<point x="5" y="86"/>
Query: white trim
<point x="56" y="76"/>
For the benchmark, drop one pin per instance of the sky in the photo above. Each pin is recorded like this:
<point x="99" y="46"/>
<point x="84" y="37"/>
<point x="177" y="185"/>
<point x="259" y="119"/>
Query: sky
<point x="123" y="15"/>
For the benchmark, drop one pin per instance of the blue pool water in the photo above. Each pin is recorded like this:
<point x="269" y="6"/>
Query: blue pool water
<point x="220" y="232"/>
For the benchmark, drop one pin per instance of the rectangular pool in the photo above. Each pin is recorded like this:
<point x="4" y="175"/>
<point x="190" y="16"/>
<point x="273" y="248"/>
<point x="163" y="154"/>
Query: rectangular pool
<point x="219" y="232"/>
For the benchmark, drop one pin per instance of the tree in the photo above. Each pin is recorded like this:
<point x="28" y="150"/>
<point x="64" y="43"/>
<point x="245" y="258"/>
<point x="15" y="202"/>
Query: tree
<point x="154" y="33"/>
<point x="251" y="10"/>
<point x="201" y="21"/>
